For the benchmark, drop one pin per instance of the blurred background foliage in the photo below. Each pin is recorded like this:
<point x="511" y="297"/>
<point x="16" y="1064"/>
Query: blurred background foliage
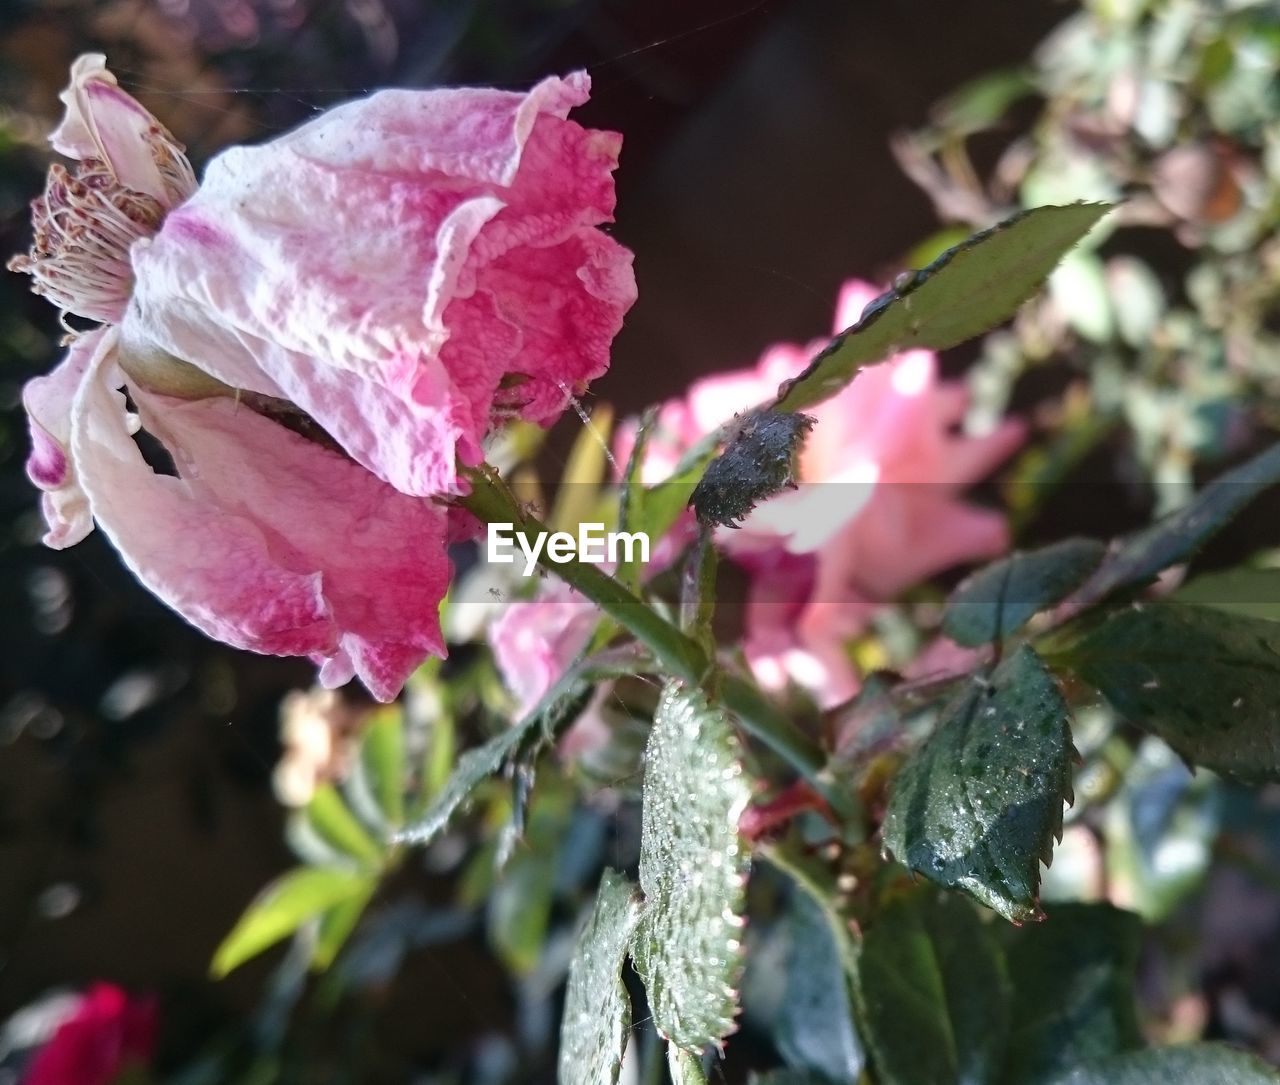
<point x="151" y="782"/>
<point x="1167" y="325"/>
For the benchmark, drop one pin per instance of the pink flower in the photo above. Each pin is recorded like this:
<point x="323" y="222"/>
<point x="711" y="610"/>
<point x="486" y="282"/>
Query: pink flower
<point x="877" y="509"/>
<point x="535" y="640"/>
<point x="319" y="337"/>
<point x="105" y="1033"/>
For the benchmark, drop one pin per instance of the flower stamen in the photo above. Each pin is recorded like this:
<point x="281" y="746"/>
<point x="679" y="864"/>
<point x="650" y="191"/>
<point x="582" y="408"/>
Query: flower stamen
<point x="86" y="223"/>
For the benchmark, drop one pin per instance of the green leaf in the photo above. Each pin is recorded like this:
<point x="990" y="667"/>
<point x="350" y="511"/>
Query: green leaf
<point x="1206" y="682"/>
<point x="288" y="902"/>
<point x="977" y="808"/>
<point x="382" y="761"/>
<point x="583" y="473"/>
<point x="814" y="1027"/>
<point x="1178" y="536"/>
<point x="995" y="602"/>
<point x="932" y="993"/>
<point x="1074" y="977"/>
<point x="335" y="824"/>
<point x="1195" y="1064"/>
<point x="963" y="293"/>
<point x="632" y="502"/>
<point x="473" y="768"/>
<point x="982" y="103"/>
<point x="684" y="1066"/>
<point x="519" y="905"/>
<point x="1251" y="593"/>
<point x="560" y="704"/>
<point x="336" y="926"/>
<point x="693" y="869"/>
<point x="597" y="1011"/>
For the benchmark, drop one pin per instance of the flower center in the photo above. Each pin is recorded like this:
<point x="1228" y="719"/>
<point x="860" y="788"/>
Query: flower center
<point x="85" y="225"/>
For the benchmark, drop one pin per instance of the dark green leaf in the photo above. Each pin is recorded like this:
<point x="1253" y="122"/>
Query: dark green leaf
<point x="1074" y="977"/>
<point x="290" y="901"/>
<point x="693" y="869"/>
<point x="1206" y="682"/>
<point x="1252" y="593"/>
<point x="814" y="878"/>
<point x="977" y="808"/>
<point x="814" y="1025"/>
<point x="597" y="1011"/>
<point x="963" y="293"/>
<point x="995" y="602"/>
<point x="932" y="993"/>
<point x="1178" y="536"/>
<point x="1195" y="1064"/>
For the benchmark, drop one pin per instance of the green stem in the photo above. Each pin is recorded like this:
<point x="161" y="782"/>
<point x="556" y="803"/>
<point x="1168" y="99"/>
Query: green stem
<point x="491" y="502"/>
<point x="764" y="722"/>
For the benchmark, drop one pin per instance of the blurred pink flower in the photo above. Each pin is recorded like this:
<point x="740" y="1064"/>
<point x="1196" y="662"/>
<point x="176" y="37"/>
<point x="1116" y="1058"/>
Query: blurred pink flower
<point x="319" y="336"/>
<point x="106" y="1032"/>
<point x="877" y="509"/>
<point x="535" y="640"/>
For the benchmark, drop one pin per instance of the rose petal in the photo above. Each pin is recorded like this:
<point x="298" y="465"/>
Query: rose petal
<point x="104" y="122"/>
<point x="905" y="534"/>
<point x="535" y="640"/>
<point x="266" y="541"/>
<point x="409" y="445"/>
<point x="438" y="245"/>
<point x="48" y="401"/>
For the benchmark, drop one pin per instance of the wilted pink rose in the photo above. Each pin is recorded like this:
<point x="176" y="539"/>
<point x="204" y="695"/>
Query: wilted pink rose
<point x="319" y="336"/>
<point x="877" y="508"/>
<point x="106" y="1032"/>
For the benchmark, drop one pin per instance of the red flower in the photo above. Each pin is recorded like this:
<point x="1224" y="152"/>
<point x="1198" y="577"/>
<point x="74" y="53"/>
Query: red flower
<point x="107" y="1032"/>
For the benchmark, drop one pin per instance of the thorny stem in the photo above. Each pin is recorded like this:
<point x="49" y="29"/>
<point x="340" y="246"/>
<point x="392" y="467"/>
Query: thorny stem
<point x="491" y="502"/>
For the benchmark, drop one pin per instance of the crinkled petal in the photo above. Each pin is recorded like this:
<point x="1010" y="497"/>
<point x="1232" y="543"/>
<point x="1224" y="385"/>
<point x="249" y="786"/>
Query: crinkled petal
<point x="473" y="134"/>
<point x="385" y="236"/>
<point x="48" y="401"/>
<point x="408" y="444"/>
<point x="103" y="122"/>
<point x="567" y="303"/>
<point x="267" y="541"/>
